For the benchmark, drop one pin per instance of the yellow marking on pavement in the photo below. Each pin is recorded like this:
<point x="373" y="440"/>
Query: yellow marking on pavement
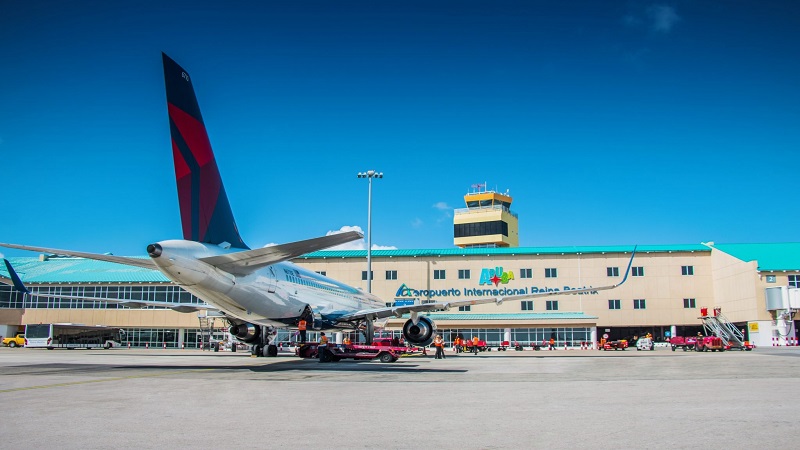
<point x="103" y="380"/>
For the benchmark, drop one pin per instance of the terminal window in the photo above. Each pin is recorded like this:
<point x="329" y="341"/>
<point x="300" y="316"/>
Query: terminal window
<point x="687" y="270"/>
<point x="638" y="303"/>
<point x="439" y="274"/>
<point x="612" y="271"/>
<point x="364" y="275"/>
<point x="526" y="273"/>
<point x="552" y="305"/>
<point x="637" y="271"/>
<point x="614" y="304"/>
<point x="463" y="274"/>
<point x="794" y="281"/>
<point x="527" y="305"/>
<point x="465" y="308"/>
<point x="550" y="273"/>
<point x="391" y="274"/>
<point x="689" y="303"/>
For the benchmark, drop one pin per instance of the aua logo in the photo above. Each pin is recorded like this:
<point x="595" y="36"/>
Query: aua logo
<point x="495" y="276"/>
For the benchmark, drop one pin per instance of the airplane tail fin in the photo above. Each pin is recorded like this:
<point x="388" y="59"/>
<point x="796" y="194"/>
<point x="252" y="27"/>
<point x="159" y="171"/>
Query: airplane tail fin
<point x="206" y="214"/>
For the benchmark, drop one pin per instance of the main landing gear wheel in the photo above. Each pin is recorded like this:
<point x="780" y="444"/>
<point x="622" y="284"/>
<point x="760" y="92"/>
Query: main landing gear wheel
<point x="272" y="350"/>
<point x="257" y="350"/>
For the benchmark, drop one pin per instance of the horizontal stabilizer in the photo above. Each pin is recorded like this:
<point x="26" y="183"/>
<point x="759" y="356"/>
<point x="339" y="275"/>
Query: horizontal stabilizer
<point x="128" y="261"/>
<point x="136" y="304"/>
<point x="247" y="262"/>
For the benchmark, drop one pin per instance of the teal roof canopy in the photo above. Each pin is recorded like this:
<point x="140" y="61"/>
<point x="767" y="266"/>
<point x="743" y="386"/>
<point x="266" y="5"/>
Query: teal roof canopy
<point x="770" y="257"/>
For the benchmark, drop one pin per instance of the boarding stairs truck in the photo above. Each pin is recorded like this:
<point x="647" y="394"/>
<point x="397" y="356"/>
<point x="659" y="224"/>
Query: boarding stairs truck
<point x="718" y="325"/>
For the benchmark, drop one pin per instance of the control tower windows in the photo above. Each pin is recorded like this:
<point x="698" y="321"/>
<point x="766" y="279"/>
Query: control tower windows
<point x="480" y="229"/>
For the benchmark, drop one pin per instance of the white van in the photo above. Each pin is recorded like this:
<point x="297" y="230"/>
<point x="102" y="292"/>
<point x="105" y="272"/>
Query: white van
<point x="645" y="344"/>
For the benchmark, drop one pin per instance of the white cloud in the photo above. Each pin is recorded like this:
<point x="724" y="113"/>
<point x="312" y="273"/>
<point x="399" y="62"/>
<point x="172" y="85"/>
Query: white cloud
<point x="663" y="17"/>
<point x="360" y="244"/>
<point x="442" y="206"/>
<point x="417" y="223"/>
<point x="657" y="18"/>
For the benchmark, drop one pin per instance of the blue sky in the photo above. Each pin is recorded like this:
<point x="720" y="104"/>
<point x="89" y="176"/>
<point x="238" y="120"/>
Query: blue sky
<point x="617" y="122"/>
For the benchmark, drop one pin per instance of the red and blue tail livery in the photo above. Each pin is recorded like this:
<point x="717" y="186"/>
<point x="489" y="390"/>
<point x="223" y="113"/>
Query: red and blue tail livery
<point x="205" y="211"/>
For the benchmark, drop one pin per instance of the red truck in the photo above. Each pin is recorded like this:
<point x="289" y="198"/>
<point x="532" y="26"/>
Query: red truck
<point x="621" y="344"/>
<point x="333" y="353"/>
<point x="686" y="343"/>
<point x="706" y="343"/>
<point x="482" y="347"/>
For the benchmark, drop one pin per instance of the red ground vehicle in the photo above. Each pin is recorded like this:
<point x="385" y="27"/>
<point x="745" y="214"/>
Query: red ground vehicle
<point x="707" y="343"/>
<point x="685" y="343"/>
<point x="482" y="347"/>
<point x="622" y="344"/>
<point x="394" y="344"/>
<point x="332" y="353"/>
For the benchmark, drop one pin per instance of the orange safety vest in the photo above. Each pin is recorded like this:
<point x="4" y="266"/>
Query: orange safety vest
<point x="475" y="340"/>
<point x="301" y="325"/>
<point x="323" y="340"/>
<point x="438" y="342"/>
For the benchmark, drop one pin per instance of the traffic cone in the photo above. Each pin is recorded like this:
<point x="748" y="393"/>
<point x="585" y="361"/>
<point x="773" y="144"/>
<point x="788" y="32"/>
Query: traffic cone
<point x="165" y="345"/>
<point x="146" y="345"/>
<point x="565" y="346"/>
<point x="183" y="346"/>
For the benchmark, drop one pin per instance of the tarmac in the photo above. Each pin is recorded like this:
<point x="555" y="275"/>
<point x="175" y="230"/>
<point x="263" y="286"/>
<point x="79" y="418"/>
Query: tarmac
<point x="157" y="398"/>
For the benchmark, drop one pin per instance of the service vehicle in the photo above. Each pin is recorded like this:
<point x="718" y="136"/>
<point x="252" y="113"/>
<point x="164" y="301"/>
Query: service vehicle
<point x="482" y="347"/>
<point x="395" y="344"/>
<point x="71" y="335"/>
<point x="645" y="344"/>
<point x="16" y="341"/>
<point x="683" y="342"/>
<point x="707" y="343"/>
<point x="334" y="353"/>
<point x="621" y="344"/>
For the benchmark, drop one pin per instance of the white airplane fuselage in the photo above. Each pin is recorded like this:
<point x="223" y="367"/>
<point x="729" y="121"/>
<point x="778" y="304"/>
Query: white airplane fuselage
<point x="273" y="293"/>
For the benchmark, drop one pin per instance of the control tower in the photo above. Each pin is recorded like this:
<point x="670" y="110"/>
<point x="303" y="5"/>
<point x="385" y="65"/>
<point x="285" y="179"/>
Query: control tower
<point x="487" y="221"/>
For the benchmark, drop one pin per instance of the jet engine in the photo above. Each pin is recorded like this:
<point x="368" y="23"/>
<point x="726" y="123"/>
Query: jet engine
<point x="422" y="333"/>
<point x="246" y="332"/>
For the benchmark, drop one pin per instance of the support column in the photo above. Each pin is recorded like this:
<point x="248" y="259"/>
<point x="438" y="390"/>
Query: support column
<point x="593" y="337"/>
<point x="338" y="338"/>
<point x="507" y="335"/>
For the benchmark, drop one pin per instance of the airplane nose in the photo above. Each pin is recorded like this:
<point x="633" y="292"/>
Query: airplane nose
<point x="154" y="250"/>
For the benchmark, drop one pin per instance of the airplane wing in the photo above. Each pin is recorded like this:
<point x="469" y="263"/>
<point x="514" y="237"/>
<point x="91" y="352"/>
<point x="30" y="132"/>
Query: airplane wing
<point x="138" y="262"/>
<point x="179" y="307"/>
<point x="399" y="311"/>
<point x="248" y="261"/>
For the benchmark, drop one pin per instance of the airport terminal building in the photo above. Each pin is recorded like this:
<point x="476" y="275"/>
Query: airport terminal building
<point x="667" y="286"/>
<point x="755" y="285"/>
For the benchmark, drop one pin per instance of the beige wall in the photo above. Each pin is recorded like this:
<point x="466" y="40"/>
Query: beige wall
<point x="739" y="289"/>
<point x="663" y="287"/>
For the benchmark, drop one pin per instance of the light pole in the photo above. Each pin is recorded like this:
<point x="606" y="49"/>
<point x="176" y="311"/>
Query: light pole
<point x="370" y="174"/>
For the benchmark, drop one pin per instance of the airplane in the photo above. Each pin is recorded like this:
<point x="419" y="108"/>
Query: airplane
<point x="257" y="290"/>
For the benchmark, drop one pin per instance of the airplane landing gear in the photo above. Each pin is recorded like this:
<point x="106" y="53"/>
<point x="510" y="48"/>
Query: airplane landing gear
<point x="265" y="347"/>
<point x="368" y="331"/>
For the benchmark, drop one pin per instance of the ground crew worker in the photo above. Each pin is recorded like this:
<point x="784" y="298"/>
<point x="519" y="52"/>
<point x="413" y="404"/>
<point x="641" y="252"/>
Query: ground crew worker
<point x="346" y="340"/>
<point x="457" y="344"/>
<point x="552" y="344"/>
<point x="323" y="340"/>
<point x="301" y="326"/>
<point x="438" y="342"/>
<point x="475" y="341"/>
